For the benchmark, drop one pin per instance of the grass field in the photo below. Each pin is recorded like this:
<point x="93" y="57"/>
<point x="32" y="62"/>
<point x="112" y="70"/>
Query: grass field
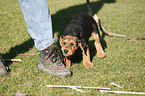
<point x="124" y="63"/>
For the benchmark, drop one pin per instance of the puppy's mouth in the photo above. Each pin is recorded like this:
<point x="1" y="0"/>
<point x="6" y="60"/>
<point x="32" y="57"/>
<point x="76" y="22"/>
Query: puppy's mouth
<point x="67" y="53"/>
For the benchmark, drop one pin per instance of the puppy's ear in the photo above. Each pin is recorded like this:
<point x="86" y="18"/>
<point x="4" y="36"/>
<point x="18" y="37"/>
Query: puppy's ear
<point x="60" y="40"/>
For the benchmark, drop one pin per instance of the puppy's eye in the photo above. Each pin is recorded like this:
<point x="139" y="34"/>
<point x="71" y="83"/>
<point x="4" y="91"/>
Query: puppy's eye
<point x="64" y="43"/>
<point x="72" y="44"/>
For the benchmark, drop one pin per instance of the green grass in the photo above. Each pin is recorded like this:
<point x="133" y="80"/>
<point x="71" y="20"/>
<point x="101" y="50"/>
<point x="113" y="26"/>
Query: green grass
<point x="124" y="63"/>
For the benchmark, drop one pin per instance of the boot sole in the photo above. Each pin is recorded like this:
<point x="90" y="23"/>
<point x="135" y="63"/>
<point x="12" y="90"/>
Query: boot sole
<point x="60" y="75"/>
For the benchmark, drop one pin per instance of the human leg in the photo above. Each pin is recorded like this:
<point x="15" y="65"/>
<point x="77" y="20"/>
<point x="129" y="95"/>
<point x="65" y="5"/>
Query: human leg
<point x="38" y="20"/>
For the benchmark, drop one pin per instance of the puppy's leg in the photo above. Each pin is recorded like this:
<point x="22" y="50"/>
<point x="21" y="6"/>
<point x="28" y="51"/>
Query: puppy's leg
<point x="68" y="62"/>
<point x="98" y="46"/>
<point x="86" y="58"/>
<point x="88" y="52"/>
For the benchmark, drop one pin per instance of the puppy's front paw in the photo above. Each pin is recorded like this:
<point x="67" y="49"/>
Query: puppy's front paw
<point x="88" y="65"/>
<point x="68" y="66"/>
<point x="101" y="54"/>
<point x="67" y="62"/>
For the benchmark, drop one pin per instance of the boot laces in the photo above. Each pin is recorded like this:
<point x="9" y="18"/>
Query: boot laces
<point x="55" y="55"/>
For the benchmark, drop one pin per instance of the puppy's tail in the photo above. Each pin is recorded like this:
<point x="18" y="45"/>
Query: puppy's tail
<point x="90" y="12"/>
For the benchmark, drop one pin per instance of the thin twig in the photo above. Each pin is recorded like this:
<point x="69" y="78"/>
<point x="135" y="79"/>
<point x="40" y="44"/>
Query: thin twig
<point x="13" y="60"/>
<point x="125" y="92"/>
<point x="112" y="83"/>
<point x="119" y="35"/>
<point x="29" y="54"/>
<point x="77" y="87"/>
<point x="73" y="87"/>
<point x="101" y="27"/>
<point x="34" y="53"/>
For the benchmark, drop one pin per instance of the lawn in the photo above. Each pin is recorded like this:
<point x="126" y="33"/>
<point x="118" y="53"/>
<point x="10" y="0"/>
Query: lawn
<point x="124" y="63"/>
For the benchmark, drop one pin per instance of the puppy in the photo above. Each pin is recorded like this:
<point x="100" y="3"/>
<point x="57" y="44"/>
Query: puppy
<point x="77" y="34"/>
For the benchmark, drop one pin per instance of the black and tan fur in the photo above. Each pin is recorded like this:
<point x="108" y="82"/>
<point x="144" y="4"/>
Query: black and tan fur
<point x="77" y="34"/>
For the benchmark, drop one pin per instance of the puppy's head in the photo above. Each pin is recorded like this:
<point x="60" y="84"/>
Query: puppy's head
<point x="69" y="45"/>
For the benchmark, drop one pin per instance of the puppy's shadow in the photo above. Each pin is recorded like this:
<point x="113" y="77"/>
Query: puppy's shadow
<point x="77" y="57"/>
<point x="92" y="48"/>
<point x="62" y="18"/>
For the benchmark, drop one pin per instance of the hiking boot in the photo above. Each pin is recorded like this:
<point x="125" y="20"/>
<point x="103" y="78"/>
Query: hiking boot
<point x="51" y="61"/>
<point x="3" y="70"/>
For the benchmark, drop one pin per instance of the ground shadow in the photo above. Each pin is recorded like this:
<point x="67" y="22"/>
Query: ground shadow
<point x="60" y="20"/>
<point x="18" y="49"/>
<point x="63" y="17"/>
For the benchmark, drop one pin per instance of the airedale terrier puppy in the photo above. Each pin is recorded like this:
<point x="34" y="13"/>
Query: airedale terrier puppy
<point x="77" y="34"/>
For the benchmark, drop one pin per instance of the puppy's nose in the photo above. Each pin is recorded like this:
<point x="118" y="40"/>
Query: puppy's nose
<point x="65" y="51"/>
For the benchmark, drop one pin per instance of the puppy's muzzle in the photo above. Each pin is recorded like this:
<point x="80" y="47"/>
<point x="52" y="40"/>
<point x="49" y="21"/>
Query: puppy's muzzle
<point x="65" y="51"/>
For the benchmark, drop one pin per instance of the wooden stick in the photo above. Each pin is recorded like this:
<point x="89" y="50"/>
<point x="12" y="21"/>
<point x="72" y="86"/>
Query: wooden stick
<point x="120" y="35"/>
<point x="77" y="87"/>
<point x="73" y="87"/>
<point x="112" y="83"/>
<point x="34" y="53"/>
<point x="57" y="86"/>
<point x="13" y="60"/>
<point x="29" y="54"/>
<point x="101" y="27"/>
<point x="92" y="87"/>
<point x="124" y="92"/>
